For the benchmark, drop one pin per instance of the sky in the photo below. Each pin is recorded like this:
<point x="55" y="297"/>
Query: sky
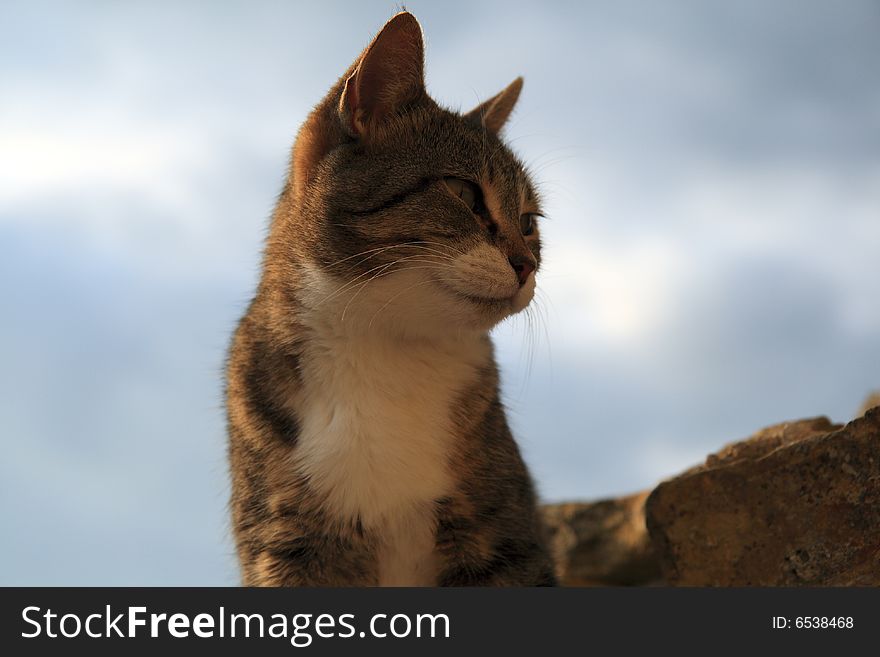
<point x="711" y="173"/>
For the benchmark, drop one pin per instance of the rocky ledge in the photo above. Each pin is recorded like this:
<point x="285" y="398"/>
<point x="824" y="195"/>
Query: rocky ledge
<point x="796" y="504"/>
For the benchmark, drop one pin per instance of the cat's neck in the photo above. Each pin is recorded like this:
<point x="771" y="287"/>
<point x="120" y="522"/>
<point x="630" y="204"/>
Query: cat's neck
<point x="379" y="312"/>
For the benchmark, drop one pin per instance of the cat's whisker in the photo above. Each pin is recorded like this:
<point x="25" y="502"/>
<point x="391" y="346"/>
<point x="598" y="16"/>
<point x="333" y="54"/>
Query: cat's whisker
<point x="439" y="253"/>
<point x="349" y="284"/>
<point x="380" y="274"/>
<point x="573" y="150"/>
<point x="540" y="167"/>
<point x="498" y="149"/>
<point x="415" y="244"/>
<point x="409" y="245"/>
<point x="532" y="340"/>
<point x="543" y="316"/>
<point x="378" y="249"/>
<point x="528" y="346"/>
<point x="445" y="246"/>
<point x="429" y="280"/>
<point x="357" y="278"/>
<point x="407" y="289"/>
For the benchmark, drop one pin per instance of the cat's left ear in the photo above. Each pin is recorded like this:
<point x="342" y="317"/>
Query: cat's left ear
<point x="389" y="75"/>
<point x="493" y="113"/>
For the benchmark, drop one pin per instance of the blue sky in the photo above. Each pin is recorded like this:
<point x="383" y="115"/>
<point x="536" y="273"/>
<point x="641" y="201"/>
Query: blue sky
<point x="712" y="175"/>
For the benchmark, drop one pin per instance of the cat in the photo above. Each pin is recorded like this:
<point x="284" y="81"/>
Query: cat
<point x="367" y="441"/>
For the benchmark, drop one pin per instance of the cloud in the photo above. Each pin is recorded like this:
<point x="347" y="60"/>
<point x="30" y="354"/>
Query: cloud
<point x="711" y="178"/>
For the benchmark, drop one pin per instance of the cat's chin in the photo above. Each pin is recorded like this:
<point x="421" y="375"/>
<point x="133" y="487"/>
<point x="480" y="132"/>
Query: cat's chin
<point x="491" y="310"/>
<point x="399" y="305"/>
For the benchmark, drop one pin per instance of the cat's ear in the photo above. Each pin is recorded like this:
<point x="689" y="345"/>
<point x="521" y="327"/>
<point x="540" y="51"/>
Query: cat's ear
<point x="493" y="113"/>
<point x="389" y="75"/>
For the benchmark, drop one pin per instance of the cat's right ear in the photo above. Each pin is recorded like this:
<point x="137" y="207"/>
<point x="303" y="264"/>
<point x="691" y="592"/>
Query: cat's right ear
<point x="493" y="113"/>
<point x="388" y="76"/>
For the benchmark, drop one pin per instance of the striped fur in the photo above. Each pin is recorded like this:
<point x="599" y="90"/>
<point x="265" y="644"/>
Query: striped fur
<point x="367" y="441"/>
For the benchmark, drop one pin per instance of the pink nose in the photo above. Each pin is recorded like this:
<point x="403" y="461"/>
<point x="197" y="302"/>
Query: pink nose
<point x="523" y="266"/>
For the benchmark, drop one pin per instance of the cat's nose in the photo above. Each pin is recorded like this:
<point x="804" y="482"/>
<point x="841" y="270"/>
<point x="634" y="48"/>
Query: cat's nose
<point x="523" y="266"/>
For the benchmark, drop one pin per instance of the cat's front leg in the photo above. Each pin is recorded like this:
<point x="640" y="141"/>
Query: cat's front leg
<point x="289" y="556"/>
<point x="490" y="552"/>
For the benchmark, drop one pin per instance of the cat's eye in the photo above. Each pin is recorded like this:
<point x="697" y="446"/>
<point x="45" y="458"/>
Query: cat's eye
<point x="527" y="223"/>
<point x="470" y="193"/>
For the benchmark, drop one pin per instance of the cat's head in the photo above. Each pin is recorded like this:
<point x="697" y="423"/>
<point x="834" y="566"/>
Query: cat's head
<point x="403" y="215"/>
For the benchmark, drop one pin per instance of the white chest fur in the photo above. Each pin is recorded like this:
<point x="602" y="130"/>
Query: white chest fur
<point x="376" y="434"/>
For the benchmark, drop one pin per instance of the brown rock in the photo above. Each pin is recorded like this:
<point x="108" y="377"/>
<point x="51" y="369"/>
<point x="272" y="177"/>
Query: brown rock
<point x="766" y="440"/>
<point x="798" y="504"/>
<point x="872" y="401"/>
<point x="602" y="543"/>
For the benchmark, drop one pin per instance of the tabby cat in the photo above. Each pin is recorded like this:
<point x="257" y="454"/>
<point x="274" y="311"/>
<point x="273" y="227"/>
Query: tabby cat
<point x="367" y="441"/>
